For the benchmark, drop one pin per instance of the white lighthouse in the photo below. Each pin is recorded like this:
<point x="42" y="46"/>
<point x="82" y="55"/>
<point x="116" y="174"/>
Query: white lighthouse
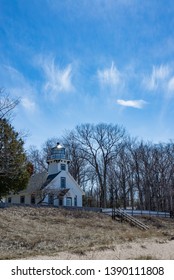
<point x="56" y="187"/>
<point x="60" y="186"/>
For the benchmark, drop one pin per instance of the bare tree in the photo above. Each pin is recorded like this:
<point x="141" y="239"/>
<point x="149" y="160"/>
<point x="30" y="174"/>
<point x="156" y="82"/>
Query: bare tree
<point x="100" y="145"/>
<point x="79" y="166"/>
<point x="7" y="104"/>
<point x="37" y="159"/>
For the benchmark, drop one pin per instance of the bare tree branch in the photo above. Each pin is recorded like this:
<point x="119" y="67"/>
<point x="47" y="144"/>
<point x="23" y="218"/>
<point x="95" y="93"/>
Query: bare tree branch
<point x="7" y="104"/>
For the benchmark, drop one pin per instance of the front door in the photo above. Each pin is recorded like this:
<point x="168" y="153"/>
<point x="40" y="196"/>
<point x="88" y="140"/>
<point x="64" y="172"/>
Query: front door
<point x="69" y="201"/>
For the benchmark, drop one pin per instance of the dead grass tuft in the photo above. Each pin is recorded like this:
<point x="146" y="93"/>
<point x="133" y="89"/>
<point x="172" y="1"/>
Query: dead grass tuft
<point x="145" y="257"/>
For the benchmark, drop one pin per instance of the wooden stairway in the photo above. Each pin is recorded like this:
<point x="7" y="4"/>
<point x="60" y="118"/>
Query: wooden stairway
<point x="124" y="216"/>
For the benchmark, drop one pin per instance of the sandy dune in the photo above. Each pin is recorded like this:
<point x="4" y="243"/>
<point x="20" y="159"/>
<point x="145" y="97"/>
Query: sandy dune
<point x="148" y="249"/>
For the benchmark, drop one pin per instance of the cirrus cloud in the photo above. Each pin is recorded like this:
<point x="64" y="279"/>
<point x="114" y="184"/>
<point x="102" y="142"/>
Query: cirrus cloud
<point x="57" y="80"/>
<point x="158" y="77"/>
<point x="28" y="104"/>
<point x="109" y="76"/>
<point x="19" y="87"/>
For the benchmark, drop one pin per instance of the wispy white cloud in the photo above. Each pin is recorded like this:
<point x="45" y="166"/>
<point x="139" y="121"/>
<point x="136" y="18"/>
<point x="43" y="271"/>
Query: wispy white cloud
<point x="157" y="78"/>
<point x="57" y="80"/>
<point x="109" y="76"/>
<point x="132" y="103"/>
<point x="28" y="104"/>
<point x="161" y="80"/>
<point x="18" y="87"/>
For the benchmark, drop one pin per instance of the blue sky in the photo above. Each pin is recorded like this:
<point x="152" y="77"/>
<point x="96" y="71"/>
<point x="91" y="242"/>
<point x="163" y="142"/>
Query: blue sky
<point x="79" y="61"/>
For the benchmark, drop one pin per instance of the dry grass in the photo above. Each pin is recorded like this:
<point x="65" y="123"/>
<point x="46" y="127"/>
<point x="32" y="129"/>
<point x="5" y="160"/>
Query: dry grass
<point x="27" y="231"/>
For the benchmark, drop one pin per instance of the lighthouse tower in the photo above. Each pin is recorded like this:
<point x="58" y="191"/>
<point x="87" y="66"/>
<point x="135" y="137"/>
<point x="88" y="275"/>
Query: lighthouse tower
<point x="57" y="160"/>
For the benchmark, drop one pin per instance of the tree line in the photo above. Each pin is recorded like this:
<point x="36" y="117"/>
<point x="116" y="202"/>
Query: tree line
<point x="113" y="169"/>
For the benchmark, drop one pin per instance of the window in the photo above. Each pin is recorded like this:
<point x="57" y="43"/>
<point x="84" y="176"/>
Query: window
<point x="9" y="199"/>
<point x="58" y="153"/>
<point x="33" y="200"/>
<point x="63" y="182"/>
<point x="22" y="199"/>
<point x="68" y="201"/>
<point x="63" y="166"/>
<point x="51" y="199"/>
<point x="75" y="200"/>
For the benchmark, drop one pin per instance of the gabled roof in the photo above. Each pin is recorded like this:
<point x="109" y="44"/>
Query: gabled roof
<point x="35" y="183"/>
<point x="49" y="179"/>
<point x="77" y="185"/>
